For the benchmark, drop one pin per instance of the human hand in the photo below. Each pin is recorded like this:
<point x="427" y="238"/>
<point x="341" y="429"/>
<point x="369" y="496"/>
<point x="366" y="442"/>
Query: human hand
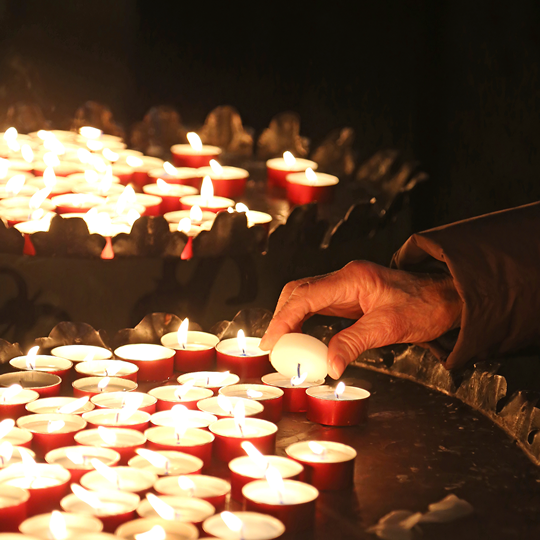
<point x="392" y="306"/>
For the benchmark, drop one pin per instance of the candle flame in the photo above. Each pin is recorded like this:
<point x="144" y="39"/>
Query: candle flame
<point x="170" y="169"/>
<point x="127" y="197"/>
<point x="298" y="379"/>
<point x="195" y="141"/>
<point x="195" y="213"/>
<point x="6" y="426"/>
<point x="98" y="163"/>
<point x="239" y="414"/>
<point x="70" y="408"/>
<point x="103" y="383"/>
<point x="241" y="339"/>
<point x="49" y="177"/>
<point x="207" y="190"/>
<point x="89" y="132"/>
<point x="31" y="358"/>
<point x="131" y="404"/>
<point x="107" y="435"/>
<point x="154" y="458"/>
<point x="340" y="388"/>
<point x="164" y="510"/>
<point x="10" y="134"/>
<point x="225" y="403"/>
<point x="186" y="484"/>
<point x="91" y="499"/>
<point x="89" y="357"/>
<point x="232" y="521"/>
<point x="107" y="472"/>
<point x="38" y="198"/>
<point x="57" y="526"/>
<point x="179" y="413"/>
<point x="74" y="456"/>
<point x="55" y="425"/>
<point x="253" y="394"/>
<point x="15" y="184"/>
<point x="10" y="392"/>
<point x="6" y="452"/>
<point x="106" y="181"/>
<point x="316" y="448"/>
<point x="134" y="161"/>
<point x="255" y="455"/>
<point x="182" y="334"/>
<point x="183" y="389"/>
<point x="157" y="532"/>
<point x="217" y="169"/>
<point x="311" y="175"/>
<point x="4" y="167"/>
<point x="29" y="463"/>
<point x="163" y="186"/>
<point x="109" y="155"/>
<point x="215" y="379"/>
<point x="43" y="134"/>
<point x="91" y="176"/>
<point x="84" y="155"/>
<point x="290" y="160"/>
<point x="184" y="225"/>
<point x="51" y="159"/>
<point x="114" y="367"/>
<point x="132" y="216"/>
<point x="27" y="153"/>
<point x="95" y="146"/>
<point x="275" y="480"/>
<point x="241" y="207"/>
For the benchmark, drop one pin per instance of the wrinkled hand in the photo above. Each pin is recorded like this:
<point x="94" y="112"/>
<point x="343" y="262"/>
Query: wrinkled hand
<point x="392" y="306"/>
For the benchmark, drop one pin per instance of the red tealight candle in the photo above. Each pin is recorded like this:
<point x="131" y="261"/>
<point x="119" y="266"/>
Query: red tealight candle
<point x="60" y="405"/>
<point x="228" y="181"/>
<point x="14" y="435"/>
<point x="278" y="168"/>
<point x="328" y="465"/>
<point x="194" y="214"/>
<point x="150" y="203"/>
<point x="194" y="154"/>
<point x="82" y="353"/>
<point x="340" y="406"/>
<point x="155" y="362"/>
<point x="13" y="401"/>
<point x="243" y="356"/>
<point x="206" y="200"/>
<point x="107" y="368"/>
<point x="185" y="394"/>
<point x="118" y="418"/>
<point x="170" y="194"/>
<point x="223" y="407"/>
<point x="174" y="530"/>
<point x="124" y="172"/>
<point x="120" y="478"/>
<point x="187" y="176"/>
<point x="13" y="508"/>
<point x="180" y="415"/>
<point x="269" y="396"/>
<point x="60" y="525"/>
<point x="117" y="400"/>
<point x="61" y="168"/>
<point x="42" y="362"/>
<point x="309" y="186"/>
<point x="166" y="462"/>
<point x="91" y="386"/>
<point x="76" y="202"/>
<point x="51" y="430"/>
<point x="294" y="390"/>
<point x="45" y="384"/>
<point x="141" y="165"/>
<point x="18" y="209"/>
<point x="195" y="351"/>
<point x="213" y="380"/>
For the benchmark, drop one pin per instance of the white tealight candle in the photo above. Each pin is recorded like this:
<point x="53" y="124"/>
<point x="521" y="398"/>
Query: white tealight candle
<point x="209" y="488"/>
<point x="125" y="417"/>
<point x="246" y="526"/>
<point x="223" y="408"/>
<point x="210" y="379"/>
<point x="108" y="368"/>
<point x="59" y="405"/>
<point x="119" y="400"/>
<point x="81" y="353"/>
<point x="71" y="526"/>
<point x="188" y="419"/>
<point x="182" y="509"/>
<point x="41" y="476"/>
<point x="106" y="503"/>
<point x="90" y="386"/>
<point x="166" y="463"/>
<point x="120" y="478"/>
<point x="316" y="179"/>
<point x="168" y="396"/>
<point x="157" y="529"/>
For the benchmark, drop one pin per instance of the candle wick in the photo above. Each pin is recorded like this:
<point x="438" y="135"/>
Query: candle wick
<point x="117" y="418"/>
<point x="184" y="346"/>
<point x="298" y="370"/>
<point x="244" y="352"/>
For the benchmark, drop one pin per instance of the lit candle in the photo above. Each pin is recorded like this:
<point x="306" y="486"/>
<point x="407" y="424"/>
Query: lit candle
<point x="108" y="368"/>
<point x="244" y="526"/>
<point x="50" y="181"/>
<point x="269" y="396"/>
<point x="193" y="441"/>
<point x="166" y="462"/>
<point x="242" y="356"/>
<point x="60" y="405"/>
<point x="150" y="203"/>
<point x="278" y="168"/>
<point x="155" y="362"/>
<point x="121" y="478"/>
<point x="14" y="399"/>
<point x="209" y="488"/>
<point x="228" y="181"/>
<point x="309" y="186"/>
<point x="104" y="188"/>
<point x="18" y="209"/>
<point x="212" y="380"/>
<point x="127" y="417"/>
<point x="254" y="217"/>
<point x="308" y="352"/>
<point x="14" y="435"/>
<point x="45" y="384"/>
<point x="294" y="389"/>
<point x="81" y="353"/>
<point x="123" y="440"/>
<point x="141" y="165"/>
<point x="195" y="154"/>
<point x="185" y="394"/>
<point x="28" y="228"/>
<point x="60" y="526"/>
<point x="182" y="509"/>
<point x="76" y="202"/>
<point x="223" y="407"/>
<point x="13" y="507"/>
<point x="170" y="194"/>
<point x="77" y="459"/>
<point x="187" y="176"/>
<point x="17" y="186"/>
<point x="157" y="529"/>
<point x="42" y="362"/>
<point x="90" y="386"/>
<point x="194" y="214"/>
<point x="10" y="454"/>
<point x="112" y="507"/>
<point x="245" y="469"/>
<point x="194" y="350"/>
<point x="340" y="406"/>
<point x="328" y="465"/>
<point x="180" y="414"/>
<point x="207" y="201"/>
<point x="117" y="400"/>
<point x="61" y="168"/>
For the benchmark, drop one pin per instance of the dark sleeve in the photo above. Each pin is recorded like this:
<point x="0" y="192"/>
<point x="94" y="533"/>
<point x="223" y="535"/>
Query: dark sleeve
<point x="495" y="263"/>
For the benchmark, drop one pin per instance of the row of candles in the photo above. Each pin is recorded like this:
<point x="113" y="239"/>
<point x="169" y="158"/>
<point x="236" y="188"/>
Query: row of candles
<point x="69" y="173"/>
<point x="116" y="445"/>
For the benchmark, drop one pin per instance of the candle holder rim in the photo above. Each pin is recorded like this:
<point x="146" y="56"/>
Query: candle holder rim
<point x="149" y="477"/>
<point x="32" y="523"/>
<point x="111" y="395"/>
<point x="139" y="438"/>
<point x="210" y="437"/>
<point x="168" y="353"/>
<point x="349" y="452"/>
<point x="313" y="491"/>
<point x="25" y="422"/>
<point x="18" y="376"/>
<point x="159" y="389"/>
<point x="18" y="494"/>
<point x="315" y="392"/>
<point x="16" y="469"/>
<point x="173" y="480"/>
<point x="80" y="367"/>
<point x="172" y="336"/>
<point x="255" y="409"/>
<point x="126" y="383"/>
<point x="136" y="526"/>
<point x="180" y="456"/>
<point x="44" y="401"/>
<point x="268" y="380"/>
<point x="195" y="502"/>
<point x="68" y="364"/>
<point x="76" y="346"/>
<point x="105" y="412"/>
<point x="223" y="391"/>
<point x="185" y="375"/>
<point x="269" y="425"/>
<point x="99" y="451"/>
<point x="246" y="516"/>
<point x="22" y="396"/>
<point x="105" y="495"/>
<point x="273" y="460"/>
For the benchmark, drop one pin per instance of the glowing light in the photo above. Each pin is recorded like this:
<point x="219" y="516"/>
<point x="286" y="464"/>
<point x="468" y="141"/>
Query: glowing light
<point x="107" y="435"/>
<point x="195" y="214"/>
<point x="76" y="457"/>
<point x="10" y="392"/>
<point x="38" y="198"/>
<point x="89" y="132"/>
<point x="340" y="388"/>
<point x="15" y="184"/>
<point x="232" y="521"/>
<point x="131" y="404"/>
<point x="164" y="510"/>
<point x="55" y="425"/>
<point x="163" y="186"/>
<point x="316" y="448"/>
<point x="311" y="175"/>
<point x="186" y="484"/>
<point x="184" y="225"/>
<point x="57" y="526"/>
<point x="70" y="408"/>
<point x="225" y="403"/>
<point x="106" y="181"/>
<point x="217" y="169"/>
<point x="157" y="532"/>
<point x="31" y="358"/>
<point x="10" y="134"/>
<point x="107" y="472"/>
<point x="51" y="159"/>
<point x="95" y="146"/>
<point x="103" y="383"/>
<point x="27" y="153"/>
<point x="49" y="177"/>
<point x="253" y="394"/>
<point x="4" y="167"/>
<point x="182" y="334"/>
<point x="42" y="134"/>
<point x="170" y="169"/>
<point x="132" y="216"/>
<point x="194" y="141"/>
<point x="241" y="339"/>
<point x="255" y="455"/>
<point x="154" y="458"/>
<point x="183" y="389"/>
<point x="84" y="155"/>
<point x="134" y="161"/>
<point x="275" y="480"/>
<point x="299" y="378"/>
<point x="207" y="190"/>
<point x="290" y="160"/>
<point x="6" y="452"/>
<point x="110" y="155"/>
<point x="179" y="413"/>
<point x="128" y="196"/>
<point x="241" y="207"/>
<point x="98" y="163"/>
<point x="239" y="414"/>
<point x="6" y="426"/>
<point x="91" y="499"/>
<point x="14" y="145"/>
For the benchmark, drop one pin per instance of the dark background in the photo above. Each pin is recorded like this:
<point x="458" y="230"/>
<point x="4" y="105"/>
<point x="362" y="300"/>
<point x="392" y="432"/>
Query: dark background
<point x="453" y="84"/>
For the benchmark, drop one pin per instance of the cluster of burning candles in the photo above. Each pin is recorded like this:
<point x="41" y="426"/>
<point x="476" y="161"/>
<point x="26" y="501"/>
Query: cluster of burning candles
<point x="111" y="453"/>
<point x="93" y="175"/>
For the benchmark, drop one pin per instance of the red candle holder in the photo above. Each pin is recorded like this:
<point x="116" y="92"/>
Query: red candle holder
<point x="277" y="170"/>
<point x="294" y="395"/>
<point x="294" y="506"/>
<point x="195" y="442"/>
<point x="45" y="384"/>
<point x="255" y="526"/>
<point x="270" y="397"/>
<point x="227" y="446"/>
<point x="170" y="195"/>
<point x="186" y="176"/>
<point x="126" y="441"/>
<point x="327" y="465"/>
<point x="155" y="362"/>
<point x="252" y="365"/>
<point x="212" y="380"/>
<point x="124" y="172"/>
<point x="15" y="406"/>
<point x="197" y="354"/>
<point x="230" y="183"/>
<point x="348" y="410"/>
<point x="140" y="171"/>
<point x="116" y="400"/>
<point x="55" y="405"/>
<point x="185" y="156"/>
<point x="89" y="386"/>
<point x="138" y="420"/>
<point x="300" y="190"/>
<point x="13" y="507"/>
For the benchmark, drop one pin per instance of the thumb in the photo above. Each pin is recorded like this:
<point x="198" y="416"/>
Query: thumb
<point x="375" y="329"/>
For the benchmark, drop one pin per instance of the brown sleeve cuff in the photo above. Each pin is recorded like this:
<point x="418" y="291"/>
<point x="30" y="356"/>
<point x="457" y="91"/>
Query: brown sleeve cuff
<point x="495" y="263"/>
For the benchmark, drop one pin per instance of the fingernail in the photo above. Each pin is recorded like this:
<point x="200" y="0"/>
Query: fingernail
<point x="338" y="367"/>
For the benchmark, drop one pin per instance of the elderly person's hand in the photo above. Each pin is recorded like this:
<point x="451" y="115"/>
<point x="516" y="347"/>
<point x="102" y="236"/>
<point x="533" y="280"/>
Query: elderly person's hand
<point x="392" y="306"/>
